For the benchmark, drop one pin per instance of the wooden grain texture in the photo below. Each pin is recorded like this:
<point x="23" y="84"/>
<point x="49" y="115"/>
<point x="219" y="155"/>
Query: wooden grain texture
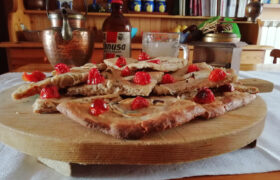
<point x="55" y="137"/>
<point x="263" y="85"/>
<point x="260" y="67"/>
<point x="16" y="18"/>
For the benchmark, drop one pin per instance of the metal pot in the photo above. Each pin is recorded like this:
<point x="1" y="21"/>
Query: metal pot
<point x="76" y="51"/>
<point x="67" y="41"/>
<point x="76" y="20"/>
<point x="221" y="37"/>
<point x="35" y="4"/>
<point x="253" y="10"/>
<point x="73" y="18"/>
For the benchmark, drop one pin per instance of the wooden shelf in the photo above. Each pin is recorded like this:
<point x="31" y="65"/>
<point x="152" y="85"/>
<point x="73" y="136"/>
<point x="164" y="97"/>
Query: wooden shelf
<point x="24" y="44"/>
<point x="21" y="45"/>
<point x="271" y="6"/>
<point x="145" y="15"/>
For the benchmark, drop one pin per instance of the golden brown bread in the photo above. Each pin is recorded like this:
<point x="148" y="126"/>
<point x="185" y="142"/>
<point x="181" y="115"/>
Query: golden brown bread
<point x="242" y="88"/>
<point x="76" y="76"/>
<point x="163" y="113"/>
<point x="197" y="80"/>
<point x="166" y="64"/>
<point x="117" y="84"/>
<point x="236" y="99"/>
<point x="49" y="105"/>
<point x="134" y="124"/>
<point x="107" y="87"/>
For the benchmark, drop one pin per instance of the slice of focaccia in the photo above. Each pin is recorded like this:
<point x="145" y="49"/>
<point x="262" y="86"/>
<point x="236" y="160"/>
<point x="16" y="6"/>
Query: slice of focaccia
<point x="107" y="87"/>
<point x="236" y="99"/>
<point x="49" y="105"/>
<point x="76" y="76"/>
<point x="122" y="122"/>
<point x="195" y="81"/>
<point x="228" y="101"/>
<point x="250" y="89"/>
<point x="204" y="70"/>
<point x="117" y="84"/>
<point x="163" y="113"/>
<point x="164" y="64"/>
<point x="129" y="88"/>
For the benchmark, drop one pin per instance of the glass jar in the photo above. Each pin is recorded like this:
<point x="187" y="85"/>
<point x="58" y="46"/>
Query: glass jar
<point x="160" y="6"/>
<point x="148" y="5"/>
<point x="135" y="6"/>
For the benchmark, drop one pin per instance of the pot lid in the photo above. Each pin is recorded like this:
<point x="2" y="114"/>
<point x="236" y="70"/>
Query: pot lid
<point x="221" y="35"/>
<point x="72" y="14"/>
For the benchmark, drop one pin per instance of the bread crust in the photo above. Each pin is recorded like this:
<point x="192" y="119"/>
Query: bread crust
<point x="76" y="76"/>
<point x="170" y="115"/>
<point x="93" y="89"/>
<point x="117" y="84"/>
<point x="166" y="64"/>
<point x="236" y="99"/>
<point x="178" y="113"/>
<point x="49" y="105"/>
<point x="193" y="83"/>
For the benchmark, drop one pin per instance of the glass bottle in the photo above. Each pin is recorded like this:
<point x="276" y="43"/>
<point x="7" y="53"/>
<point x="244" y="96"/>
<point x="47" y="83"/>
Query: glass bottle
<point x="116" y="33"/>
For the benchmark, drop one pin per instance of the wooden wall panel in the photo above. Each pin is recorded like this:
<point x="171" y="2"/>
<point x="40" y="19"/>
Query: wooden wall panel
<point x="39" y="22"/>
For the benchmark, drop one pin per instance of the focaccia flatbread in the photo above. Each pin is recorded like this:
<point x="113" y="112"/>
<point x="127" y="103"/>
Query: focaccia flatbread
<point x="163" y="113"/>
<point x="166" y="64"/>
<point x="76" y="76"/>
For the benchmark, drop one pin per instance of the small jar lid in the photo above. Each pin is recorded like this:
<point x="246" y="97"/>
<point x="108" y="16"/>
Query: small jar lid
<point x="117" y="1"/>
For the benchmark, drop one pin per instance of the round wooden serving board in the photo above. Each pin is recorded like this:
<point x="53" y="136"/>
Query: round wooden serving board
<point x="56" y="137"/>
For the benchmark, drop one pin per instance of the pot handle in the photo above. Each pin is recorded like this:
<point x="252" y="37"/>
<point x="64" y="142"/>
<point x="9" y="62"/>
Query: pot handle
<point x="85" y="4"/>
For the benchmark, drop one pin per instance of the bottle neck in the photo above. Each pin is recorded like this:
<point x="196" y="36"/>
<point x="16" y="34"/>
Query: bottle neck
<point x="116" y="8"/>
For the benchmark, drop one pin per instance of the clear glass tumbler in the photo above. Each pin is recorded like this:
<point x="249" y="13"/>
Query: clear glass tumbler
<point x="157" y="44"/>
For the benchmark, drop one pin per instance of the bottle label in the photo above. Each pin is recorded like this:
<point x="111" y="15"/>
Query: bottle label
<point x="116" y="44"/>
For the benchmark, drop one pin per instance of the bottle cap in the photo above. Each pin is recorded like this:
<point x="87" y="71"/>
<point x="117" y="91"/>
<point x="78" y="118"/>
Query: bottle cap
<point x="117" y="1"/>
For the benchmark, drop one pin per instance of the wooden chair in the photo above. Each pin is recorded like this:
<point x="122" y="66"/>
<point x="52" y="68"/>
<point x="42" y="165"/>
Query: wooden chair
<point x="276" y="54"/>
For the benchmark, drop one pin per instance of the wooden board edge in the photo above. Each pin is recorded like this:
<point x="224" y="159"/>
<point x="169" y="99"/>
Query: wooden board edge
<point x="263" y="85"/>
<point x="177" y="153"/>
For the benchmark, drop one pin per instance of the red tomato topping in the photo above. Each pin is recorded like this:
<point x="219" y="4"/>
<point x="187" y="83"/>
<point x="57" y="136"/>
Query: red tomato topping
<point x="204" y="96"/>
<point x="192" y="68"/>
<point x="61" y="68"/>
<point x="139" y="102"/>
<point x="99" y="106"/>
<point x="94" y="77"/>
<point x="143" y="56"/>
<point x="142" y="78"/>
<point x="156" y="61"/>
<point x="49" y="92"/>
<point x="34" y="76"/>
<point x="217" y="75"/>
<point x="167" y="78"/>
<point x="121" y="62"/>
<point x="125" y="72"/>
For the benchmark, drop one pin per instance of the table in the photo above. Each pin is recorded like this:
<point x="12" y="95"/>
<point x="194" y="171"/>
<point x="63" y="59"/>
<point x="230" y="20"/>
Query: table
<point x="269" y="175"/>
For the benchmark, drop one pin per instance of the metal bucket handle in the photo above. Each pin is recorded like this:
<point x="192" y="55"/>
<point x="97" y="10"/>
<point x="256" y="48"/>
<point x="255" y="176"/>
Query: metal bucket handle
<point x="85" y="4"/>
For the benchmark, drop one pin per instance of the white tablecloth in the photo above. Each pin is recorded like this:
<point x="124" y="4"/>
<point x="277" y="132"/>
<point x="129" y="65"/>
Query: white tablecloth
<point x="265" y="157"/>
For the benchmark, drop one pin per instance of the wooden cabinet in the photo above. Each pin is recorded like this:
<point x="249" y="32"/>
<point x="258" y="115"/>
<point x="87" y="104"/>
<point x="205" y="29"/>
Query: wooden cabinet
<point x="20" y="53"/>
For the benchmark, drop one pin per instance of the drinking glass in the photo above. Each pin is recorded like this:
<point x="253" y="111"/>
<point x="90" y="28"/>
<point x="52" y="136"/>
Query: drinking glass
<point x="157" y="44"/>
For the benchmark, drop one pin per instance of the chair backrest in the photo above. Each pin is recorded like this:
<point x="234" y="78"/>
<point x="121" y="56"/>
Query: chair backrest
<point x="276" y="54"/>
